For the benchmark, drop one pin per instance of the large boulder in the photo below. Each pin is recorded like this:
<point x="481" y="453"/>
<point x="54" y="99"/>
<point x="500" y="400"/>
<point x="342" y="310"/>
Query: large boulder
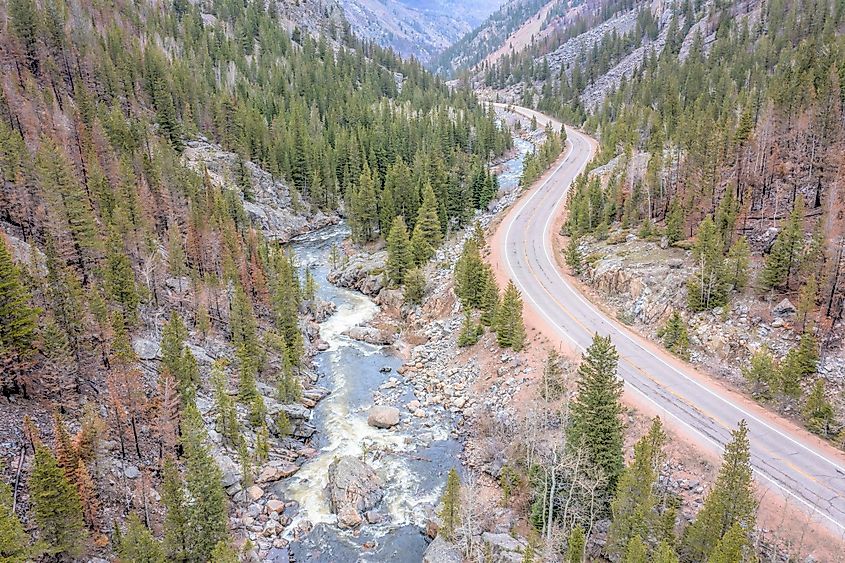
<point x="383" y="417"/>
<point x="441" y="551"/>
<point x="371" y="335"/>
<point x="353" y="483"/>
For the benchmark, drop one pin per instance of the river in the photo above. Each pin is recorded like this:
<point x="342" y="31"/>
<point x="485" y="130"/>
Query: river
<point x="411" y="459"/>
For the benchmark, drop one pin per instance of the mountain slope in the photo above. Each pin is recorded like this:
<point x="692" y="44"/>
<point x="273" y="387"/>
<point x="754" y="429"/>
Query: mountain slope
<point x="152" y="328"/>
<point x="413" y="28"/>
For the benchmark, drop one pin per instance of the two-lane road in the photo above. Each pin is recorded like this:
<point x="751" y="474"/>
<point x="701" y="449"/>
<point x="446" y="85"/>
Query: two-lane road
<point x="806" y="473"/>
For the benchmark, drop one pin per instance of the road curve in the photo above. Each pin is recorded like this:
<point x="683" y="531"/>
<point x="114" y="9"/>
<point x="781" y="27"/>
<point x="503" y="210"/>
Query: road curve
<point x="792" y="463"/>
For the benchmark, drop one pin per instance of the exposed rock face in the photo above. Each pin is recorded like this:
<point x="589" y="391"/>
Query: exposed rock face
<point x="353" y="487"/>
<point x="363" y="272"/>
<point x="271" y="207"/>
<point x="441" y="551"/>
<point x="383" y="417"/>
<point x="784" y="309"/>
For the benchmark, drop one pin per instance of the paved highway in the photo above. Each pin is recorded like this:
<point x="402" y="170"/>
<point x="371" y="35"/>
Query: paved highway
<point x="807" y="474"/>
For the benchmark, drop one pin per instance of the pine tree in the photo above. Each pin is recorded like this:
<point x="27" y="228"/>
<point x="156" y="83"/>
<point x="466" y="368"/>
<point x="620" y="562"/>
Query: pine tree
<point x="675" y="222"/>
<point x="636" y="552"/>
<point x="227" y="415"/>
<point x="224" y="553"/>
<point x="177" y="359"/>
<point x="489" y="299"/>
<point x="731" y="501"/>
<point x="596" y="423"/>
<point x="706" y="288"/>
<point x="414" y="286"/>
<point x="762" y="373"/>
<point x="206" y="511"/>
<point x="732" y="547"/>
<point x="469" y="331"/>
<point x="399" y="258"/>
<point x="14" y="541"/>
<point x="176" y="524"/>
<point x="573" y="256"/>
<point x="510" y="330"/>
<point x="470" y="275"/>
<point x="634" y="507"/>
<point x="818" y="412"/>
<point x="137" y="544"/>
<point x="120" y="279"/>
<point x="17" y="316"/>
<point x="736" y="264"/>
<point x="785" y="255"/>
<point x="450" y="512"/>
<point x="56" y="507"/>
<point x="427" y="231"/>
<point x="664" y="553"/>
<point x="575" y="545"/>
<point x="674" y="335"/>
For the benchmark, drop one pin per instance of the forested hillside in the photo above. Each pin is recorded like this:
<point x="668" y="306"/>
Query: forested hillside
<point x="144" y="299"/>
<point x="722" y="133"/>
<point x="487" y="37"/>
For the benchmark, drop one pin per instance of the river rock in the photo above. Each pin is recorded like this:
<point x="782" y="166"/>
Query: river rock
<point x="383" y="417"/>
<point x="353" y="483"/>
<point x="441" y="551"/>
<point x="274" y="473"/>
<point x="348" y="517"/>
<point x="370" y="335"/>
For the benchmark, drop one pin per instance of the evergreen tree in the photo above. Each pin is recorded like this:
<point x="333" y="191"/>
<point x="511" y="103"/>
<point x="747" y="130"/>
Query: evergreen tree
<point x="17" y="316"/>
<point x="510" y="330"/>
<point x="575" y="544"/>
<point x="732" y="547"/>
<point x="785" y="255"/>
<point x="818" y="412"/>
<point x="634" y="507"/>
<point x="470" y="275"/>
<point x="120" y="279"/>
<point x="399" y="258"/>
<point x="674" y="335"/>
<point x="137" y="544"/>
<point x="675" y="222"/>
<point x="595" y="423"/>
<point x="414" y="286"/>
<point x="636" y="552"/>
<point x="706" y="288"/>
<point x="206" y="511"/>
<point x="736" y="264"/>
<point x="177" y="359"/>
<point x="470" y="331"/>
<point x="762" y="373"/>
<point x="227" y="415"/>
<point x="573" y="256"/>
<point x="176" y="532"/>
<point x="489" y="299"/>
<point x="427" y="231"/>
<point x="450" y="512"/>
<point x="224" y="553"/>
<point x="664" y="553"/>
<point x="14" y="541"/>
<point x="731" y="501"/>
<point x="56" y="507"/>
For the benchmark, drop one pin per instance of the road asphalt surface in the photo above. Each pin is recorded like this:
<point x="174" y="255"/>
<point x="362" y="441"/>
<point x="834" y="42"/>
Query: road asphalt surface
<point x="786" y="461"/>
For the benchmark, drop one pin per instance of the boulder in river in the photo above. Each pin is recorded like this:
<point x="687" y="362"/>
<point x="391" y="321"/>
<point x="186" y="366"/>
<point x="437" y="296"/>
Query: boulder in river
<point x="383" y="417"/>
<point x="353" y="483"/>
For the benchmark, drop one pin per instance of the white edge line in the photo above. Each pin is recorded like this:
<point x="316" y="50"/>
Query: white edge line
<point x="718" y="446"/>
